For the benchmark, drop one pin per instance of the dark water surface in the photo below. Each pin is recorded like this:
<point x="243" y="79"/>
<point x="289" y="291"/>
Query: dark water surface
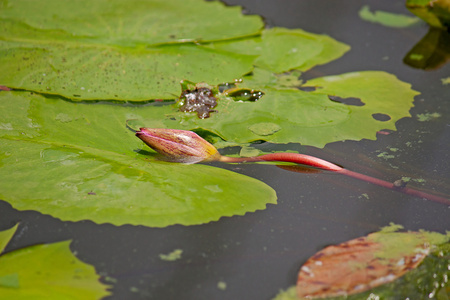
<point x="260" y="253"/>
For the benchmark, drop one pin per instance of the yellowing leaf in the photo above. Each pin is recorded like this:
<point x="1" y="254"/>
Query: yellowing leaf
<point x="364" y="263"/>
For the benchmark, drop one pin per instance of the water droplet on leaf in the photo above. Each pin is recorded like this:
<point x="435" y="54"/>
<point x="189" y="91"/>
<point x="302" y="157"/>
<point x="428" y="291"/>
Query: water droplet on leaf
<point x="264" y="128"/>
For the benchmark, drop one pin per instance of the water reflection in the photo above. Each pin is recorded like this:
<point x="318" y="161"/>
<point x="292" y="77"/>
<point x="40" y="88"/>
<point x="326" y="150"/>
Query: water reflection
<point x="432" y="52"/>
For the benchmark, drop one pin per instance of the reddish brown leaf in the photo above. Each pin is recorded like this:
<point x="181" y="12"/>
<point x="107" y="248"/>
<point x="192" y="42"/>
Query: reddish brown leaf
<point x="363" y="263"/>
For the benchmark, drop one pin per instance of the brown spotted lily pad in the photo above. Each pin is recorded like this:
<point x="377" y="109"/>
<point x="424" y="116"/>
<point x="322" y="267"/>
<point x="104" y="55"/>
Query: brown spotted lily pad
<point x="364" y="263"/>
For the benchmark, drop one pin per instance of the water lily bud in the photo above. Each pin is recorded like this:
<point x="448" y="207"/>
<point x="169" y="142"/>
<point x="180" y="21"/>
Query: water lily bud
<point x="178" y="145"/>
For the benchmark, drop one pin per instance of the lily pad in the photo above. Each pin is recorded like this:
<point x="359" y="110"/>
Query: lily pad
<point x="364" y="263"/>
<point x="280" y="49"/>
<point x="5" y="237"/>
<point x="108" y="49"/>
<point x="288" y="294"/>
<point x="46" y="271"/>
<point x="76" y="161"/>
<point x="88" y="72"/>
<point x="130" y="24"/>
<point x="427" y="281"/>
<point x="86" y="51"/>
<point x="309" y="118"/>
<point x="387" y="18"/>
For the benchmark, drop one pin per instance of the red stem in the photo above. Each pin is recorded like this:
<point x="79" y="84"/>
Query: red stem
<point x="391" y="186"/>
<point x="286" y="157"/>
<point x="325" y="165"/>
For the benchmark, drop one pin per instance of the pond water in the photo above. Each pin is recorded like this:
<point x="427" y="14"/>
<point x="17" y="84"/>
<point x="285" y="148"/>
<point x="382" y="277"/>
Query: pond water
<point x="254" y="256"/>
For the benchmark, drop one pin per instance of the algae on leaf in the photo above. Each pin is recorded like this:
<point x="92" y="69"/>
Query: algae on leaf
<point x="47" y="271"/>
<point x="79" y="162"/>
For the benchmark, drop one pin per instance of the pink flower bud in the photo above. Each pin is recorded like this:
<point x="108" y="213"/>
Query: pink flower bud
<point x="178" y="145"/>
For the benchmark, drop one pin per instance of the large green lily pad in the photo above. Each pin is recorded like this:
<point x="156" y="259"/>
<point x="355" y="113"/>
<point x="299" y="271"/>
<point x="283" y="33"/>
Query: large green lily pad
<point x="108" y="49"/>
<point x="46" y="272"/>
<point x="280" y="49"/>
<point x="137" y="51"/>
<point x="76" y="161"/>
<point x="289" y="115"/>
<point x="130" y="23"/>
<point x="85" y="72"/>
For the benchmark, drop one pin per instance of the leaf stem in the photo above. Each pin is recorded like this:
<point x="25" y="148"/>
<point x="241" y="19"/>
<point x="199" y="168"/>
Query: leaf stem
<point x="286" y="157"/>
<point x="325" y="165"/>
<point x="390" y="185"/>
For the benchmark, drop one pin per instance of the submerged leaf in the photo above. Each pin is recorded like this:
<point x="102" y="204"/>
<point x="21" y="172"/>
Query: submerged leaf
<point x="364" y="263"/>
<point x="76" y="161"/>
<point x="47" y="271"/>
<point x="431" y="52"/>
<point x="387" y="18"/>
<point x="172" y="256"/>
